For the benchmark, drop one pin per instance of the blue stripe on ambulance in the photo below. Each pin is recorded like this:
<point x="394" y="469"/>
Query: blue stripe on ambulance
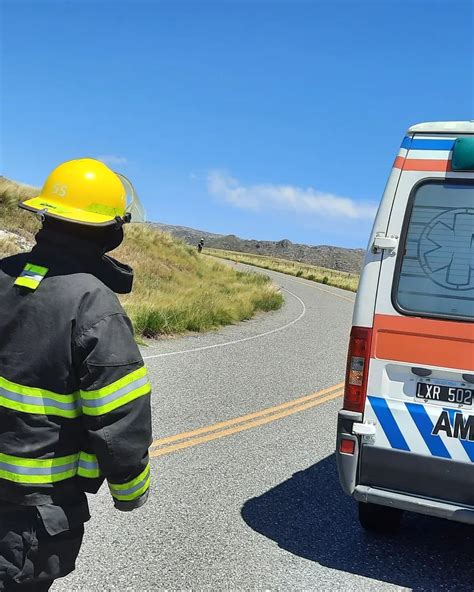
<point x="406" y="143"/>
<point x="468" y="446"/>
<point x="401" y="436"/>
<point x="425" y="144"/>
<point x="388" y="423"/>
<point x="425" y="427"/>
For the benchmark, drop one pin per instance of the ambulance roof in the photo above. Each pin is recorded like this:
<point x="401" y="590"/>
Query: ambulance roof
<point x="445" y="127"/>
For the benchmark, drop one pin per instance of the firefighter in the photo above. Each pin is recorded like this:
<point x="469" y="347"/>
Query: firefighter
<point x="74" y="392"/>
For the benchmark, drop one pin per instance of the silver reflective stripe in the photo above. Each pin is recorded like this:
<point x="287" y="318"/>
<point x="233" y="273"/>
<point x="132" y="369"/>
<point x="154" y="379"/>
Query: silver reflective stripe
<point x="131" y="489"/>
<point x="89" y="465"/>
<point x="100" y="401"/>
<point x="41" y="401"/>
<point x="32" y="275"/>
<point x="20" y="470"/>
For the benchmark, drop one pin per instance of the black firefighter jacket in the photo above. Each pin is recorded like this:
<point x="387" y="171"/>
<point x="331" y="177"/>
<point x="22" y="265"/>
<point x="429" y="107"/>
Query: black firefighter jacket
<point x="74" y="393"/>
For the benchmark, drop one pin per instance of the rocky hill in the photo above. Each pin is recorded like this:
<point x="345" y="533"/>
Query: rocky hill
<point x="322" y="255"/>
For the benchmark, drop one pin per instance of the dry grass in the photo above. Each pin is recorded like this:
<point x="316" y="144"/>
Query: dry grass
<point x="176" y="290"/>
<point x="11" y="217"/>
<point x="331" y="277"/>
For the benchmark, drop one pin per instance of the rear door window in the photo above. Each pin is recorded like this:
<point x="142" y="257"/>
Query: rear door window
<point x="435" y="273"/>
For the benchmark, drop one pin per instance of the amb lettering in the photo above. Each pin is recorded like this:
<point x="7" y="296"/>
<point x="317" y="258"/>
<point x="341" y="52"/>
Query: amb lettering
<point x="462" y="427"/>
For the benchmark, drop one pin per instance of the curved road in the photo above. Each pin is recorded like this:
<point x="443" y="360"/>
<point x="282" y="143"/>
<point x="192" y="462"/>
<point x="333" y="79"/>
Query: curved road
<point x="245" y="493"/>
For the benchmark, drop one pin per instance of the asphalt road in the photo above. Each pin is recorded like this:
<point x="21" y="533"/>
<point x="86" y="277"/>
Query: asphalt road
<point x="254" y="502"/>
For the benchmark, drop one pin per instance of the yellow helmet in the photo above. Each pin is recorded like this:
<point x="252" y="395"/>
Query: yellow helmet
<point x="88" y="192"/>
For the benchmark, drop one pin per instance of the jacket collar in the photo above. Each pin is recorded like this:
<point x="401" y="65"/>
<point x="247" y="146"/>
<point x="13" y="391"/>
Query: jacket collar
<point x="78" y="255"/>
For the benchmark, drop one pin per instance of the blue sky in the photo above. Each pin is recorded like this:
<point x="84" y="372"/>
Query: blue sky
<point x="265" y="119"/>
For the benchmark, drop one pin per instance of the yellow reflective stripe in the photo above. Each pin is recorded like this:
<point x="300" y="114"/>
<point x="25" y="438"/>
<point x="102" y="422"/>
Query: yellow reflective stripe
<point x="38" y="409"/>
<point x="43" y="471"/>
<point x="117" y="487"/>
<point x="136" y="495"/>
<point x="88" y="466"/>
<point x="36" y="479"/>
<point x="117" y="394"/>
<point x="101" y="410"/>
<point x="33" y="391"/>
<point x="36" y="269"/>
<point x="27" y="470"/>
<point x="87" y="457"/>
<point x="35" y="400"/>
<point x="102" y="209"/>
<point x="115" y="386"/>
<point x="31" y="276"/>
<point x="38" y="463"/>
<point x="27" y="282"/>
<point x="133" y="489"/>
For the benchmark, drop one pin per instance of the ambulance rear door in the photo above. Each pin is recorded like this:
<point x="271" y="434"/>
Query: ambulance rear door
<point x="420" y="392"/>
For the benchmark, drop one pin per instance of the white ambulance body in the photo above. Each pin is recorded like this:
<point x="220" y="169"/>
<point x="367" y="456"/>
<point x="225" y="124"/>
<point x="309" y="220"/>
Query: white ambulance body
<point x="406" y="431"/>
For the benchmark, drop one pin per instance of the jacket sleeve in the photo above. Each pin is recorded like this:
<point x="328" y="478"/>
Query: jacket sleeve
<point x="115" y="398"/>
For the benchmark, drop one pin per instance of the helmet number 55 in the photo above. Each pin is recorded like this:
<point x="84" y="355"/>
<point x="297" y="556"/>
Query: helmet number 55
<point x="60" y="190"/>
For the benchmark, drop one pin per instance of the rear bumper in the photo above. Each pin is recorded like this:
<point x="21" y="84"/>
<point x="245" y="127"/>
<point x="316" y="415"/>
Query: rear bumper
<point x="425" y="484"/>
<point x="430" y="477"/>
<point x="392" y="499"/>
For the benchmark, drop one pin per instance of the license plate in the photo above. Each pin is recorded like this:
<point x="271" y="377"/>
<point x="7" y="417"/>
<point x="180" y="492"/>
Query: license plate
<point x="444" y="394"/>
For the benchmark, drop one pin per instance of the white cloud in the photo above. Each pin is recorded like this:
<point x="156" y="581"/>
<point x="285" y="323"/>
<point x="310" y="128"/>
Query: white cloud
<point x="286" y="198"/>
<point x="112" y="159"/>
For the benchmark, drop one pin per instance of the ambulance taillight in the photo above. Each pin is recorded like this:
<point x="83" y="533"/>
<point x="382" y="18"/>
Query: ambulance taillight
<point x="357" y="369"/>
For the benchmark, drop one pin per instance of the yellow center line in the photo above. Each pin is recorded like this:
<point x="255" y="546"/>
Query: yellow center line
<point x="244" y="418"/>
<point x="222" y="429"/>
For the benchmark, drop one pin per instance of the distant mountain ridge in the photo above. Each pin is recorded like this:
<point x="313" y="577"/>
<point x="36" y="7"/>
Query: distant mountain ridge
<point x="325" y="256"/>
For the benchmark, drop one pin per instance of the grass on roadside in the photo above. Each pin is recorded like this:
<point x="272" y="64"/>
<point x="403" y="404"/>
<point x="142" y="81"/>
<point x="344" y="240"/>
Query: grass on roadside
<point x="176" y="290"/>
<point x="11" y="217"/>
<point x="330" y="277"/>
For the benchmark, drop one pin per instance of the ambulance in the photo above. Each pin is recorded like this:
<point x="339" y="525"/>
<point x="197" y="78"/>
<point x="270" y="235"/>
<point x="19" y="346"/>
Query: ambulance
<point x="405" y="436"/>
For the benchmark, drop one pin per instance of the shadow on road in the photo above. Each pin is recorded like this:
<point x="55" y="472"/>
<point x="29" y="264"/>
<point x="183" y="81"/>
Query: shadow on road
<point x="309" y="516"/>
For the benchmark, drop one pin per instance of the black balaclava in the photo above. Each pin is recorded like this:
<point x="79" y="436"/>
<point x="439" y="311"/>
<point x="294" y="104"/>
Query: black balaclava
<point x="86" y="248"/>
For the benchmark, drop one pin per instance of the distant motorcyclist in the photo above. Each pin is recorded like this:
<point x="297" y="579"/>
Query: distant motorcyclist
<point x="200" y="245"/>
